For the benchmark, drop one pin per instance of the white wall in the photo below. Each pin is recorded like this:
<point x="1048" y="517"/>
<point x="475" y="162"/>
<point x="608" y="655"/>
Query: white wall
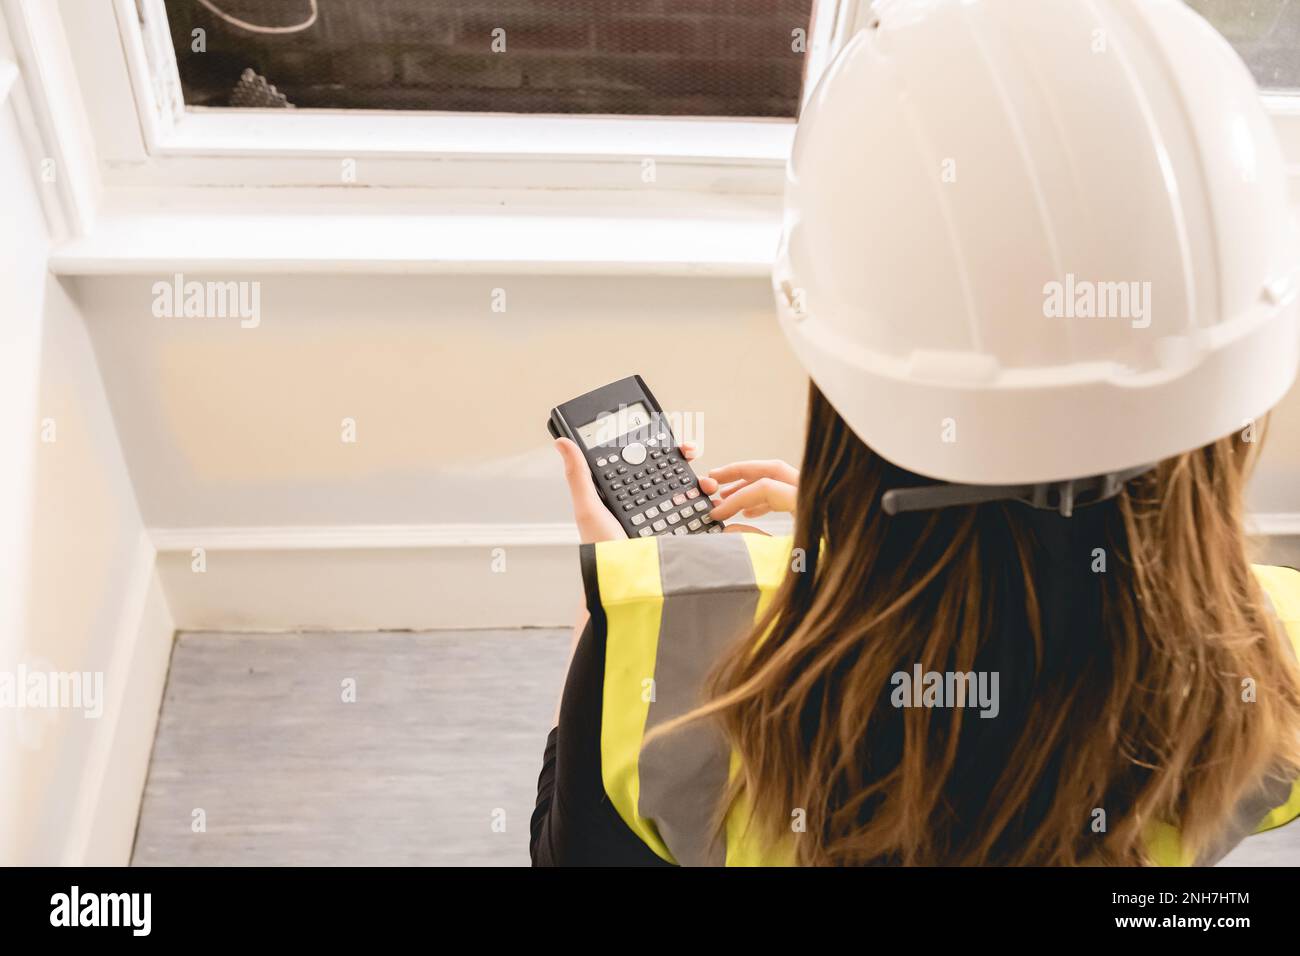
<point x="227" y="426"/>
<point x="78" y="591"/>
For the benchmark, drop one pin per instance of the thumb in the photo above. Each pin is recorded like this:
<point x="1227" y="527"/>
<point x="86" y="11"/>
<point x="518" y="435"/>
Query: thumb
<point x="578" y="476"/>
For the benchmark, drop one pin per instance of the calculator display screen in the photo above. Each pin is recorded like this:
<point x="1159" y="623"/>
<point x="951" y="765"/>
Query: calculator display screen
<point x="609" y="427"/>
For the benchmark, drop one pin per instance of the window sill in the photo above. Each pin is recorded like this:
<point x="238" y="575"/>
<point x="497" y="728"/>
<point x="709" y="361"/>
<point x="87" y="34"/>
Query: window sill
<point x="385" y="238"/>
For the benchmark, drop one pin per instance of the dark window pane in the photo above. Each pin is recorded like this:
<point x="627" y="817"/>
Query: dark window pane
<point x="1265" y="32"/>
<point x="634" y="57"/>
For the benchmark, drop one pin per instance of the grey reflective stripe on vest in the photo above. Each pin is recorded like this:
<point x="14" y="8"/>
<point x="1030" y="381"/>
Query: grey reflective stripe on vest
<point x="709" y="600"/>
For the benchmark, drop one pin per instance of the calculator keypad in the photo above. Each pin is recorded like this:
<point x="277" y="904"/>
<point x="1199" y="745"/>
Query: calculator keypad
<point x="653" y="490"/>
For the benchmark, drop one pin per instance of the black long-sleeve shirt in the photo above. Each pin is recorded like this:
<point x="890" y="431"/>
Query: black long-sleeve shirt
<point x="574" y="822"/>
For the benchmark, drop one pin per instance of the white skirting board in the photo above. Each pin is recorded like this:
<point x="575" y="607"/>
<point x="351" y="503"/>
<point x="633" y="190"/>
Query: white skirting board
<point x="103" y="814"/>
<point x="370" y="577"/>
<point x="423" y="577"/>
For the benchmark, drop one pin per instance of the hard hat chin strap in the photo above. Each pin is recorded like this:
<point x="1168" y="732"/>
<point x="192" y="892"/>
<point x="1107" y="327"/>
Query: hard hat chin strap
<point x="1059" y="496"/>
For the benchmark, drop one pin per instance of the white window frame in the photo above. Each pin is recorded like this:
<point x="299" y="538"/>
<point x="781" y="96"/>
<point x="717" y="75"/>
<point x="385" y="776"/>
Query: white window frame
<point x="254" y="147"/>
<point x="138" y="168"/>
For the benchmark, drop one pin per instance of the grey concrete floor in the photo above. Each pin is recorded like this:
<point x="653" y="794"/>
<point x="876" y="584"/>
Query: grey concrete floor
<point x="435" y="761"/>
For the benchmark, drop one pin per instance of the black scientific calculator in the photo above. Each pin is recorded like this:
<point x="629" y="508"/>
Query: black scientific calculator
<point x="634" y="459"/>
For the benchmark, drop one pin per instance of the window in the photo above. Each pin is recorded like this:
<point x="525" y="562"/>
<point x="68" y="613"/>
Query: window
<point x="1266" y="33"/>
<point x="700" y="58"/>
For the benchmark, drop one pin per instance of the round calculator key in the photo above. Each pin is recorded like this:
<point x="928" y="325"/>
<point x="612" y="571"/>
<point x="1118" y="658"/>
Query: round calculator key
<point x="613" y="458"/>
<point x="634" y="453"/>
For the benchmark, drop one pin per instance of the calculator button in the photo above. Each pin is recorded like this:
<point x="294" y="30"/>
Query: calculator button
<point x="645" y="532"/>
<point x="685" y="512"/>
<point x="701" y="506"/>
<point x="680" y="469"/>
<point x="693" y="493"/>
<point x="652" y="513"/>
<point x="621" y="496"/>
<point x="642" y="500"/>
<point x="661" y="489"/>
<point x="674" y="518"/>
<point x="638" y="519"/>
<point x="601" y="462"/>
<point x="694" y="524"/>
<point x="651" y="441"/>
<point x="679" y="499"/>
<point x="716" y="529"/>
<point x="663" y="436"/>
<point x="660" y="525"/>
<point x="609" y="475"/>
<point x="646" y="485"/>
<point x="615" y="486"/>
<point x="707" y="519"/>
<point x="680" y="531"/>
<point x="634" y="453"/>
<point x="639" y="475"/>
<point x="622" y="470"/>
<point x="686" y="480"/>
<point x="656" y="454"/>
<point x="613" y="458"/>
<point x="629" y="506"/>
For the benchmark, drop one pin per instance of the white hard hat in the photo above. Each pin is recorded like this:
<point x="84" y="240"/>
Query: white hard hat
<point x="1032" y="241"/>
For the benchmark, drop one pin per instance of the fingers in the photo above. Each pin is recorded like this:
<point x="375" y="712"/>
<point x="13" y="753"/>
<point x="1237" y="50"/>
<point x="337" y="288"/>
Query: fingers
<point x="708" y="485"/>
<point x="763" y="493"/>
<point x="754" y="470"/>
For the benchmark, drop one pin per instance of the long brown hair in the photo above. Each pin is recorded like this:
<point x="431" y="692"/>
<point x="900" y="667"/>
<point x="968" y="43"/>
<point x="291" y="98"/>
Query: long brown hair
<point x="1123" y="638"/>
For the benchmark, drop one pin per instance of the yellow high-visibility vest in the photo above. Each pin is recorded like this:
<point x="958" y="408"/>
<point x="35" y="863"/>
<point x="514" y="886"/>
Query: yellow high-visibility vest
<point x="668" y="607"/>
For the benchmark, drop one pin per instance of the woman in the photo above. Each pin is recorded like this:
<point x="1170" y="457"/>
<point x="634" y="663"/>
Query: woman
<point x="1016" y="623"/>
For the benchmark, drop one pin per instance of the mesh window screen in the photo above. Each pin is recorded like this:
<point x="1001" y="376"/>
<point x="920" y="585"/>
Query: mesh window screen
<point x="1265" y="32"/>
<point x="632" y="57"/>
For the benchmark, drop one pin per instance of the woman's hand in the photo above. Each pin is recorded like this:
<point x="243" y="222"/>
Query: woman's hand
<point x="595" y="521"/>
<point x="754" y="488"/>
